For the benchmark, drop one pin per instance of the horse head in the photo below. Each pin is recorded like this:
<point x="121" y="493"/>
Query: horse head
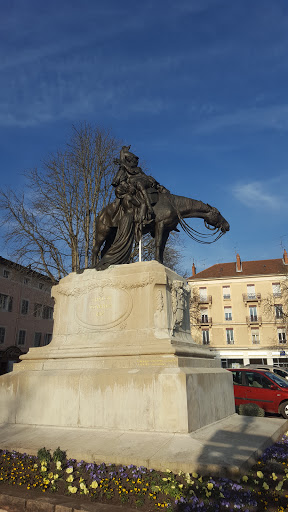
<point x="215" y="219"/>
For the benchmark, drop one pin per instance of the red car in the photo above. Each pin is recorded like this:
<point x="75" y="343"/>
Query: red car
<point x="261" y="387"/>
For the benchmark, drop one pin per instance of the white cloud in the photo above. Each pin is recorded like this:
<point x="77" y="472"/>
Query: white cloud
<point x="256" y="195"/>
<point x="268" y="117"/>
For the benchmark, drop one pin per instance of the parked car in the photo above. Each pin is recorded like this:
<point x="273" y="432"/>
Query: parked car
<point x="282" y="372"/>
<point x="260" y="387"/>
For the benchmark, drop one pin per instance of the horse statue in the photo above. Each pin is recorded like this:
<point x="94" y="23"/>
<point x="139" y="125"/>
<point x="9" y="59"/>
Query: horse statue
<point x="170" y="210"/>
<point x="143" y="206"/>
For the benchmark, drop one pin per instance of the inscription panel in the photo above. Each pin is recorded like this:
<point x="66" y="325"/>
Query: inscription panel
<point x="100" y="309"/>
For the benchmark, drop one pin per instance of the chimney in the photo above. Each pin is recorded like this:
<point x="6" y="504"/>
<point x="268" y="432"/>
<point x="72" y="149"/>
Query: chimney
<point x="193" y="270"/>
<point x="238" y="264"/>
<point x="285" y="257"/>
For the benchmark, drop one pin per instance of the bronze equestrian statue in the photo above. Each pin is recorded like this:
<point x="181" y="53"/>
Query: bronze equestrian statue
<point x="143" y="206"/>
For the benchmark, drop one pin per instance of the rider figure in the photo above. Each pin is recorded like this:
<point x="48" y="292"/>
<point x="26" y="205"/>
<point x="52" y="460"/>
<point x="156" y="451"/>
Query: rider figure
<point x="131" y="185"/>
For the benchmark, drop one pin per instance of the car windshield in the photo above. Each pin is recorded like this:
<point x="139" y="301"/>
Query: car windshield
<point x="278" y="380"/>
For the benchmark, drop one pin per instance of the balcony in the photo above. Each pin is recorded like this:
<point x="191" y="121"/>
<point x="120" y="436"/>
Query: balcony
<point x="205" y="300"/>
<point x="204" y="321"/>
<point x="280" y="320"/>
<point x="253" y="320"/>
<point x="276" y="295"/>
<point x="226" y="296"/>
<point x="251" y="297"/>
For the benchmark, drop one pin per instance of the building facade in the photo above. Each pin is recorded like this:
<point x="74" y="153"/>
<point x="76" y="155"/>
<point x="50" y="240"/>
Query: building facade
<point x="26" y="312"/>
<point x="237" y="310"/>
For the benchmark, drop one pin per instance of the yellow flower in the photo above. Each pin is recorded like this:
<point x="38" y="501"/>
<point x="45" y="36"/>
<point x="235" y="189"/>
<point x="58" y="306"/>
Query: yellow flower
<point x="94" y="484"/>
<point x="69" y="470"/>
<point x="195" y="475"/>
<point x="71" y="489"/>
<point x="43" y="468"/>
<point x="70" y="478"/>
<point x="35" y="466"/>
<point x="164" y="479"/>
<point x="180" y="486"/>
<point x="274" y="476"/>
<point x="210" y="486"/>
<point x="46" y="481"/>
<point x="58" y="464"/>
<point x="266" y="486"/>
<point x="56" y="476"/>
<point x="81" y="479"/>
<point x="200" y="480"/>
<point x="279" y="486"/>
<point x="245" y="478"/>
<point x="260" y="474"/>
<point x="50" y="475"/>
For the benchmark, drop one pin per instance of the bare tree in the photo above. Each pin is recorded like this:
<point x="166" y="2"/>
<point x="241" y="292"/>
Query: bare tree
<point x="172" y="253"/>
<point x="52" y="226"/>
<point x="275" y="305"/>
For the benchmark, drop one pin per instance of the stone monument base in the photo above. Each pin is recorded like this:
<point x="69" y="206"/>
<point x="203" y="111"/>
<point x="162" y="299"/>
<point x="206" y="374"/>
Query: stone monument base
<point x="121" y="358"/>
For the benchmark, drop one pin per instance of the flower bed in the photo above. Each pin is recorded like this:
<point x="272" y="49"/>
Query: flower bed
<point x="265" y="487"/>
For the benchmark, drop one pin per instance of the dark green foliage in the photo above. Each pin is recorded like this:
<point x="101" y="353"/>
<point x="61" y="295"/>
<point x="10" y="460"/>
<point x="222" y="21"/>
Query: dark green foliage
<point x="44" y="455"/>
<point x="251" y="410"/>
<point x="59" y="455"/>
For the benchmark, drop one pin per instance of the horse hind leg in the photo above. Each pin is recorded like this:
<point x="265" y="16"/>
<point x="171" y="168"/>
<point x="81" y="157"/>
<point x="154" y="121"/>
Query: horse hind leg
<point x="101" y="236"/>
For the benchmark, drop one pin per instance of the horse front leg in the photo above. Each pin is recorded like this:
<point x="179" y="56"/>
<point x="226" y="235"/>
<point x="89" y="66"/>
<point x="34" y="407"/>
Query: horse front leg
<point x="161" y="237"/>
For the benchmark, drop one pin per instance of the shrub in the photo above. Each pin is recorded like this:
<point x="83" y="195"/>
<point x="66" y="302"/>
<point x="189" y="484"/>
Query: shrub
<point x="59" y="455"/>
<point x="44" y="455"/>
<point x="251" y="410"/>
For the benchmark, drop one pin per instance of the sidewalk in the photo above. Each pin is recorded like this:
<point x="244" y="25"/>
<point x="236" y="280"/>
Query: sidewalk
<point x="227" y="447"/>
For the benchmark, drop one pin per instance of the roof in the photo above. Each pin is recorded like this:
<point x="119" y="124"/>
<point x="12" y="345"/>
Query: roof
<point x="249" y="268"/>
<point x="27" y="270"/>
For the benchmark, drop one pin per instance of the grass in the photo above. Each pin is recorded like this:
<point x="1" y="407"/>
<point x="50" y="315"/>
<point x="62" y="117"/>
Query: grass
<point x="264" y="487"/>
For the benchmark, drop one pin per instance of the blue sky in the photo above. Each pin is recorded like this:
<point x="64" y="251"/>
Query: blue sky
<point x="197" y="87"/>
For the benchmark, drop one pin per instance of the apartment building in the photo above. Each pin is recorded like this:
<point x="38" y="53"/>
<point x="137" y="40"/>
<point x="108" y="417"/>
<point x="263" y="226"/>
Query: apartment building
<point x="238" y="311"/>
<point x="26" y="312"/>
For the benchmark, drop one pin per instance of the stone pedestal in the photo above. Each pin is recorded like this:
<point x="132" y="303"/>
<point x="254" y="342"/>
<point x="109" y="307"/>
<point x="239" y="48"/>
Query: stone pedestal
<point x="121" y="358"/>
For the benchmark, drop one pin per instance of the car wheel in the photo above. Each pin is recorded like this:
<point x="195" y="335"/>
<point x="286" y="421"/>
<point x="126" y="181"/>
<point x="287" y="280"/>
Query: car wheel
<point x="284" y="410"/>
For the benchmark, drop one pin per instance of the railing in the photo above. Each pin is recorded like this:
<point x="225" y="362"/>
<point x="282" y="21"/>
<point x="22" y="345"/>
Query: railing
<point x="251" y="297"/>
<point x="205" y="300"/>
<point x="277" y="294"/>
<point x="253" y="319"/>
<point x="226" y="296"/>
<point x="204" y="320"/>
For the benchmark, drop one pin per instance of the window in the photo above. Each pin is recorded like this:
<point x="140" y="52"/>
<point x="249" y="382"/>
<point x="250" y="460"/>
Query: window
<point x="237" y="377"/>
<point x="279" y="311"/>
<point x="37" y="339"/>
<point x="253" y="313"/>
<point x="47" y="312"/>
<point x="41" y="286"/>
<point x="205" y="337"/>
<point x="24" y="307"/>
<point x="226" y="292"/>
<point x="230" y="336"/>
<point x="26" y="280"/>
<point x="6" y="273"/>
<point x="281" y="335"/>
<point x="6" y="303"/>
<point x="251" y="291"/>
<point x="21" y="337"/>
<point x="228" y="313"/>
<point x="255" y="336"/>
<point x="2" y="334"/>
<point x="203" y="294"/>
<point x="276" y="289"/>
<point x="37" y="310"/>
<point x="256" y="380"/>
<point x="204" y="316"/>
<point x="47" y="338"/>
